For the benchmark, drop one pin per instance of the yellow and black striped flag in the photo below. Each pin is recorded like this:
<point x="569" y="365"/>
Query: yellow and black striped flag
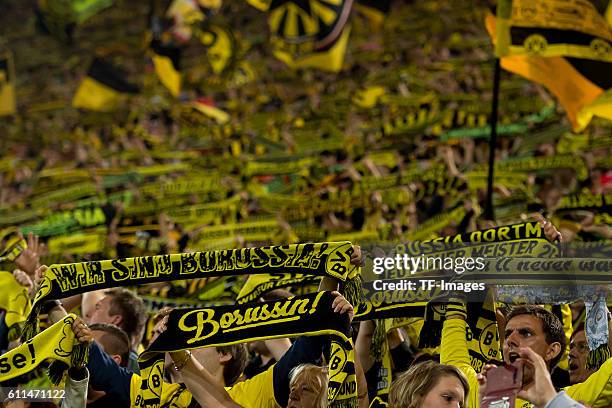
<point x="103" y="87"/>
<point x="310" y="33"/>
<point x="166" y="60"/>
<point x="563" y="45"/>
<point x="8" y="104"/>
<point x="553" y="28"/>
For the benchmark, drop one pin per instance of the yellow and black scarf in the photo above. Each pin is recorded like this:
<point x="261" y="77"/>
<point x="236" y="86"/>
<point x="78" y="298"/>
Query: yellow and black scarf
<point x="56" y="343"/>
<point x="322" y="259"/>
<point x="307" y="315"/>
<point x="258" y="285"/>
<point x="482" y="334"/>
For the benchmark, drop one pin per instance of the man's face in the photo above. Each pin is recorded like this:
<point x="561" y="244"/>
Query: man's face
<point x="101" y="313"/>
<point x="579" y="351"/>
<point x="210" y="359"/>
<point x="525" y="331"/>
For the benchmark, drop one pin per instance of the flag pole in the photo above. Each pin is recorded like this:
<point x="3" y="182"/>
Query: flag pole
<point x="489" y="211"/>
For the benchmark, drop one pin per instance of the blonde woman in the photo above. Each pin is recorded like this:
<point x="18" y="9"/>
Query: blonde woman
<point x="308" y="387"/>
<point x="429" y="385"/>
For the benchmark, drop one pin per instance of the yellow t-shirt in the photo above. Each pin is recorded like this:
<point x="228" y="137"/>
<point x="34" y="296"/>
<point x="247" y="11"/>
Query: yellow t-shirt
<point x="256" y="392"/>
<point x="596" y="391"/>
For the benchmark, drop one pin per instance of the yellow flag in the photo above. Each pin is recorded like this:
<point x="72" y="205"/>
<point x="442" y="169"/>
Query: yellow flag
<point x="166" y="62"/>
<point x="553" y="28"/>
<point x="602" y="107"/>
<point x="221" y="47"/>
<point x="577" y="83"/>
<point x="103" y="87"/>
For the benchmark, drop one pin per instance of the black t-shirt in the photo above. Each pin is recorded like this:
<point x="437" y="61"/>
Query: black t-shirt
<point x="256" y="366"/>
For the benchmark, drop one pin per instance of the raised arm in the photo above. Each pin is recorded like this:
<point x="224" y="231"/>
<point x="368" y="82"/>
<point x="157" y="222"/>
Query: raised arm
<point x="363" y="344"/>
<point x="454" y="351"/>
<point x="202" y="385"/>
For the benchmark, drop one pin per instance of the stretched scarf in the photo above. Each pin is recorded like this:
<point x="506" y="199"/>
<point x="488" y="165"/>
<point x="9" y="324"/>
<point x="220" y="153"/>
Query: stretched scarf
<point x="65" y="221"/>
<point x="308" y="315"/>
<point x="258" y="285"/>
<point x="542" y="272"/>
<point x="389" y="309"/>
<point x="507" y="233"/>
<point x="498" y="247"/>
<point x="322" y="259"/>
<point x="57" y="343"/>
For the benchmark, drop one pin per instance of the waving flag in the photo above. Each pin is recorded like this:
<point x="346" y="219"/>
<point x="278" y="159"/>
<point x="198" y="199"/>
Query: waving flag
<point x="103" y="87"/>
<point x="562" y="45"/>
<point x="310" y="33"/>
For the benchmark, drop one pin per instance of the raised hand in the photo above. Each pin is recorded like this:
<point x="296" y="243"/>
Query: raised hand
<point x="29" y="260"/>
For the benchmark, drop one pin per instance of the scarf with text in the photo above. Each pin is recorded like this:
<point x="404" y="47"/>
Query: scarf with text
<point x="56" y="343"/>
<point x="258" y="285"/>
<point x="309" y="315"/>
<point x="322" y="259"/>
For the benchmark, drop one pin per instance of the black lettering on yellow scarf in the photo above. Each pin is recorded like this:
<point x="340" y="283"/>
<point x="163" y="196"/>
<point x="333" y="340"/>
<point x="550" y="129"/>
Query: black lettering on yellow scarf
<point x="56" y="343"/>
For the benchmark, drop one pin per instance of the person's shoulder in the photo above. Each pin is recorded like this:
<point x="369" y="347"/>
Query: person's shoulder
<point x="259" y="379"/>
<point x="256" y="392"/>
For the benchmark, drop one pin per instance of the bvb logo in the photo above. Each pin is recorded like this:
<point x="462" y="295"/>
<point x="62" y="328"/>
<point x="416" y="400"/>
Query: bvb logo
<point x="535" y="44"/>
<point x="600" y="47"/>
<point x="488" y="341"/>
<point x="337" y="261"/>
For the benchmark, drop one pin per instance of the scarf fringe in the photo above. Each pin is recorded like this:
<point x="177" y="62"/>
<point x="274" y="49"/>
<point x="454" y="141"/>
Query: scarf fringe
<point x="14" y="332"/>
<point x="80" y="354"/>
<point x="431" y="332"/>
<point x="56" y="372"/>
<point x="598" y="356"/>
<point x="353" y="291"/>
<point x="379" y="337"/>
<point x="30" y="327"/>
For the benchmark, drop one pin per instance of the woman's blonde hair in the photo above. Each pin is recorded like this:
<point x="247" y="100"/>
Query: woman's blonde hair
<point x="316" y="377"/>
<point x="410" y="387"/>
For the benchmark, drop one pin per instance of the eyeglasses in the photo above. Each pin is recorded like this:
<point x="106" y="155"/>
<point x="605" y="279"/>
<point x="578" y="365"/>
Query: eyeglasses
<point x="582" y="347"/>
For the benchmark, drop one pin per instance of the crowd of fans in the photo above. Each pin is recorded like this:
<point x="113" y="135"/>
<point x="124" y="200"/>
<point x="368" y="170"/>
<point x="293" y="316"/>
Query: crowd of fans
<point x="293" y="373"/>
